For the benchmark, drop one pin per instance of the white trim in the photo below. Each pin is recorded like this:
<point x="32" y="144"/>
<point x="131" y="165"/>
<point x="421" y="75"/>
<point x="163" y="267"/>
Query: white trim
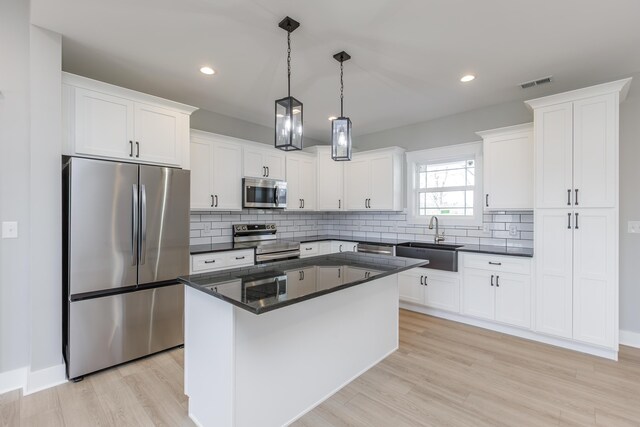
<point x="442" y="154"/>
<point x="45" y="378"/>
<point x="12" y="380"/>
<point x="507" y="131"/>
<point x="510" y="330"/>
<point x="620" y="86"/>
<point x="630" y="338"/>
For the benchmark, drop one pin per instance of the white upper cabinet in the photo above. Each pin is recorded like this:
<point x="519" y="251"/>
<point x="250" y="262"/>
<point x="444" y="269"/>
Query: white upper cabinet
<point x="262" y="162"/>
<point x="330" y="179"/>
<point x="374" y="181"/>
<point x="508" y="167"/>
<point x="216" y="178"/>
<point x="301" y="181"/>
<point x="105" y="121"/>
<point x="576" y="146"/>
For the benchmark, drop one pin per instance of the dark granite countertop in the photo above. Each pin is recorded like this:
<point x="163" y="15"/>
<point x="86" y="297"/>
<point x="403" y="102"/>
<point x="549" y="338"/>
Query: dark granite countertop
<point x="497" y="250"/>
<point x="271" y="286"/>
<point x="485" y="249"/>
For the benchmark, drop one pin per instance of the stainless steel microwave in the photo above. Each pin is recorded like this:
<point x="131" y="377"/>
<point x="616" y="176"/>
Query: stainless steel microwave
<point x="264" y="193"/>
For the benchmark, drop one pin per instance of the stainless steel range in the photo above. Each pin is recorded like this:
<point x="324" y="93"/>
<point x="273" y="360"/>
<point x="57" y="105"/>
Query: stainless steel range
<point x="263" y="237"/>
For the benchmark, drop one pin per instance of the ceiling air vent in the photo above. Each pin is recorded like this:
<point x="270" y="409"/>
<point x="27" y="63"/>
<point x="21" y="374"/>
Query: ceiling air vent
<point x="538" y="82"/>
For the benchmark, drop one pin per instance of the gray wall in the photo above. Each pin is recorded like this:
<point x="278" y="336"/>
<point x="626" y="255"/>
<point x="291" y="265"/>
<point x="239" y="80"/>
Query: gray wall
<point x="448" y="130"/>
<point x="630" y="208"/>
<point x="238" y="128"/>
<point x="14" y="183"/>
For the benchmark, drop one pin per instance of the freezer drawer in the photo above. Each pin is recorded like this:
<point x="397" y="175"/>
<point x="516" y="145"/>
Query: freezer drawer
<point x="114" y="329"/>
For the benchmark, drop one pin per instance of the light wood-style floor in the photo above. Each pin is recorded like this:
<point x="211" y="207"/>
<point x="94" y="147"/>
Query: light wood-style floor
<point x="444" y="373"/>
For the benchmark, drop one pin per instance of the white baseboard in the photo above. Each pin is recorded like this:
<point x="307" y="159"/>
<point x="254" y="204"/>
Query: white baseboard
<point x="32" y="381"/>
<point x="12" y="380"/>
<point x="630" y="338"/>
<point x="45" y="378"/>
<point x="511" y="330"/>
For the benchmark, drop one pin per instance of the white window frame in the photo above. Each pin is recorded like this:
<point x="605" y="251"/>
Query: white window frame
<point x="438" y="155"/>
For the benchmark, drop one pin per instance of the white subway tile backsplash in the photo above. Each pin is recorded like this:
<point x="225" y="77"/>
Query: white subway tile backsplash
<point x="364" y="225"/>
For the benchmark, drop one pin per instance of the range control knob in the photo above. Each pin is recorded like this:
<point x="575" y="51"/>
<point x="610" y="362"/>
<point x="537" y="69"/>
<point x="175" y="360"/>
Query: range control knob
<point x="244" y="227"/>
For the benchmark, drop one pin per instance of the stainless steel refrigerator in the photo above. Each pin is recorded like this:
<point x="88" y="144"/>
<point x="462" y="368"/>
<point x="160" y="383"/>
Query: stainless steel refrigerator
<point x="125" y="242"/>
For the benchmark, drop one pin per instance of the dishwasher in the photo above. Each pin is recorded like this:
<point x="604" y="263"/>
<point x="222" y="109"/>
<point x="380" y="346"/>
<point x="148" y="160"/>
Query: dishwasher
<point x="377" y="248"/>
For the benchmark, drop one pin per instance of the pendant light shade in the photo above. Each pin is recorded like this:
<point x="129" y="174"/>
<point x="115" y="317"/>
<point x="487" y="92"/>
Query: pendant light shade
<point x="288" y="112"/>
<point x="341" y="127"/>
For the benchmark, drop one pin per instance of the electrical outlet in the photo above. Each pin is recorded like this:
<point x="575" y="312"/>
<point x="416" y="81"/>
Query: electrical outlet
<point x="633" y="227"/>
<point x="207" y="227"/>
<point x="513" y="230"/>
<point x="9" y="230"/>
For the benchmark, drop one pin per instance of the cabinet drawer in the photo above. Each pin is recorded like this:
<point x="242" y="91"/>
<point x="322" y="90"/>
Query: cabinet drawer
<point x="309" y="249"/>
<point x="207" y="262"/>
<point x="239" y="258"/>
<point x="497" y="263"/>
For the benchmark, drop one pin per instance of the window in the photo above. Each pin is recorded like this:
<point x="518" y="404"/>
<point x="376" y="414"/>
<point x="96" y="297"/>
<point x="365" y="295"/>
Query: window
<point x="446" y="182"/>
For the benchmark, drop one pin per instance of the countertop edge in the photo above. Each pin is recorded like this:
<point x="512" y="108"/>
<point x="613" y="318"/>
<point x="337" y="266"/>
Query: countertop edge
<point x="287" y="303"/>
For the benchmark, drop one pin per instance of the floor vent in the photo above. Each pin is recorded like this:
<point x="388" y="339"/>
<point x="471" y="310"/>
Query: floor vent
<point x="538" y="82"/>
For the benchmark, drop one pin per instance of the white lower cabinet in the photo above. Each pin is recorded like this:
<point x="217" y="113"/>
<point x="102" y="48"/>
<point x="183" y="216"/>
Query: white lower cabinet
<point x="497" y="288"/>
<point x="302" y="281"/>
<point x="431" y="288"/>
<point x="343" y="246"/>
<point x="309" y="249"/>
<point x="216" y="261"/>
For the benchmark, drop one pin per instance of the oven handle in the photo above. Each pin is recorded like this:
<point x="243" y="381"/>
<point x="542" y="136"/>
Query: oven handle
<point x="373" y="251"/>
<point x="279" y="255"/>
<point x="275" y="194"/>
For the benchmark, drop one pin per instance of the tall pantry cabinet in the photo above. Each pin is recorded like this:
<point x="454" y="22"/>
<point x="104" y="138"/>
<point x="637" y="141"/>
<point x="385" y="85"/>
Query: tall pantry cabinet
<point x="576" y="149"/>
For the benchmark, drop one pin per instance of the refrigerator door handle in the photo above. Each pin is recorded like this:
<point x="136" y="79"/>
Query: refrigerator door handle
<point x="143" y="224"/>
<point x="134" y="224"/>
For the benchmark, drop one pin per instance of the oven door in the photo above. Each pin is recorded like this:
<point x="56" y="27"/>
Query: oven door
<point x="264" y="193"/>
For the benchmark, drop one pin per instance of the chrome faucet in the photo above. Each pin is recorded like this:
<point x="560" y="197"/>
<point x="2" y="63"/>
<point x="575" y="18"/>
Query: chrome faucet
<point x="438" y="237"/>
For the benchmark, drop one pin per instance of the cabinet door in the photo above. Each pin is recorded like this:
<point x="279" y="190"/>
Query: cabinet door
<point x="410" y="288"/>
<point x="104" y="125"/>
<point x="381" y="183"/>
<point x="594" y="151"/>
<point x="301" y="282"/>
<point x="478" y="296"/>
<point x="275" y="164"/>
<point x="508" y="172"/>
<point x="554" y="155"/>
<point x="442" y="291"/>
<point x="330" y="179"/>
<point x="594" y="276"/>
<point x="513" y="297"/>
<point x="201" y="153"/>
<point x="308" y="184"/>
<point x="253" y="163"/>
<point x="294" y="184"/>
<point x="158" y="133"/>
<point x="329" y="277"/>
<point x="227" y="176"/>
<point x="324" y="248"/>
<point x="357" y="184"/>
<point x="554" y="277"/>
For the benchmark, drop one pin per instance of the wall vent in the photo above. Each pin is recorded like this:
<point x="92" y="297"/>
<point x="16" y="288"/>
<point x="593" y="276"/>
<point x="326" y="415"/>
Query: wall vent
<point x="537" y="82"/>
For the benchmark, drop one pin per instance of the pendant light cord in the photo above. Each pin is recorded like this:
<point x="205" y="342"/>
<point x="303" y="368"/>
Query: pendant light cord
<point x="341" y="92"/>
<point x="289" y="63"/>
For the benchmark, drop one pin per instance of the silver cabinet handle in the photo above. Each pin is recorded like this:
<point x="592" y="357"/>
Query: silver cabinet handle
<point x="340" y="248"/>
<point x="212" y="203"/>
<point x="137" y="149"/>
<point x="134" y="224"/>
<point x="576" y="227"/>
<point x="268" y="173"/>
<point x="240" y="257"/>
<point x="216" y="196"/>
<point x="264" y="172"/>
<point x="143" y="224"/>
<point x="497" y="281"/>
<point x="338" y="273"/>
<point x="339" y="202"/>
<point x="210" y="261"/>
<point x="425" y="280"/>
<point x="492" y="280"/>
<point x="568" y="197"/>
<point x="486" y="200"/>
<point x="308" y="249"/>
<point x="576" y="201"/>
<point x="130" y="148"/>
<point x="569" y="220"/>
<point x="422" y="280"/>
<point x="495" y="263"/>
<point x="302" y="203"/>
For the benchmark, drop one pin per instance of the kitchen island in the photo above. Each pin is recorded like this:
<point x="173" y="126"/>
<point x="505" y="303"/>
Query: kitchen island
<point x="265" y="344"/>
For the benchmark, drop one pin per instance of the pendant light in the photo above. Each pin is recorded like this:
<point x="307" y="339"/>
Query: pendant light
<point x="341" y="126"/>
<point x="288" y="110"/>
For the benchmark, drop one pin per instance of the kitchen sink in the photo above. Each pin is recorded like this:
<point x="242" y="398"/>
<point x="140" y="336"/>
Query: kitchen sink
<point x="441" y="256"/>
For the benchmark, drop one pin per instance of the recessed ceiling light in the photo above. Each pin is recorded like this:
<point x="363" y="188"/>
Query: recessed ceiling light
<point x="207" y="70"/>
<point x="467" y="78"/>
<point x="332" y="118"/>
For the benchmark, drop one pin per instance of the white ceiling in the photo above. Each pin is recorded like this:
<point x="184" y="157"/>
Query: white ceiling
<point x="408" y="55"/>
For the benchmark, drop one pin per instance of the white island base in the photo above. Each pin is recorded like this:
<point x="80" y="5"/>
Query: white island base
<point x="243" y="369"/>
